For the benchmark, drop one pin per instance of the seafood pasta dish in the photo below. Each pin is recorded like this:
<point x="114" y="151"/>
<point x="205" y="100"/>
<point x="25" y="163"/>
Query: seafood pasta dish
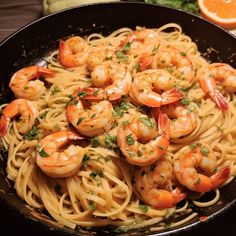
<point x="126" y="130"/>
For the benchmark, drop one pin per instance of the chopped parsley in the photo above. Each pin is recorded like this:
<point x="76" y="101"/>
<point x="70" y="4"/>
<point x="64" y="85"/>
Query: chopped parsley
<point x="85" y="160"/>
<point x="96" y="91"/>
<point x="82" y="94"/>
<point x="121" y="53"/>
<point x="146" y="121"/>
<point x="122" y="108"/>
<point x="185" y="101"/>
<point x="32" y="134"/>
<point x="110" y="140"/>
<point x="144" y="208"/>
<point x="194" y="145"/>
<point x="204" y="150"/>
<point x="92" y="207"/>
<point x="96" y="174"/>
<point x="73" y="100"/>
<point x="80" y="120"/>
<point x="129" y="139"/>
<point x="41" y="151"/>
<point x="94" y="142"/>
<point x="55" y="90"/>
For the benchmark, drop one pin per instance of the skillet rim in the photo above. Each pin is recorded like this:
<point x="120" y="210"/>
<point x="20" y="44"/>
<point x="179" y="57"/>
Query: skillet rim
<point x="40" y="20"/>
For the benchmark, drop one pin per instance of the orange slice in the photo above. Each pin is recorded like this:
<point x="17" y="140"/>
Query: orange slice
<point x="221" y="12"/>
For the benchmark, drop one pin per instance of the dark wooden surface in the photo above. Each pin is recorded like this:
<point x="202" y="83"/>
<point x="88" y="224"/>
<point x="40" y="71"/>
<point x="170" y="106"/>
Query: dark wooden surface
<point x="13" y="15"/>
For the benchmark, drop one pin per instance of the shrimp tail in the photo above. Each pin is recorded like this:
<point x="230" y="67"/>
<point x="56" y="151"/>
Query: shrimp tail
<point x="178" y="195"/>
<point x="220" y="177"/>
<point x="164" y="125"/>
<point x="218" y="98"/>
<point x="4" y="122"/>
<point x="44" y="71"/>
<point x="145" y="61"/>
<point x="209" y="86"/>
<point x="171" y="96"/>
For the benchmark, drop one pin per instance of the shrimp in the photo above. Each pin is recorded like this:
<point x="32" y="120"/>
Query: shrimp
<point x="23" y="85"/>
<point x="223" y="73"/>
<point x="140" y="128"/>
<point x="59" y="164"/>
<point x="174" y="60"/>
<point x="112" y="79"/>
<point x="153" y="184"/>
<point x="140" y="41"/>
<point x="98" y="57"/>
<point x="90" y="122"/>
<point x="192" y="158"/>
<point x="182" y="123"/>
<point x="144" y="83"/>
<point x="73" y="52"/>
<point x="27" y="111"/>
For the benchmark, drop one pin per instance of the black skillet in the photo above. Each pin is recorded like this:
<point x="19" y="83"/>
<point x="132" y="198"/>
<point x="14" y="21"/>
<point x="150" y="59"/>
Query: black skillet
<point x="31" y="43"/>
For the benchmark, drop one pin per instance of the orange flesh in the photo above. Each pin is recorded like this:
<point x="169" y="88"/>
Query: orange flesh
<point x="222" y="8"/>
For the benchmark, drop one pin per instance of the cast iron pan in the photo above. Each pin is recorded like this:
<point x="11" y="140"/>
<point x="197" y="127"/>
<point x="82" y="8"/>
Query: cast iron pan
<point x="30" y="44"/>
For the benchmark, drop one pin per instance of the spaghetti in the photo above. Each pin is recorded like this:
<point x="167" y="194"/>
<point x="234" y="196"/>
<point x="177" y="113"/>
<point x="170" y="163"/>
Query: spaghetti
<point x="134" y="157"/>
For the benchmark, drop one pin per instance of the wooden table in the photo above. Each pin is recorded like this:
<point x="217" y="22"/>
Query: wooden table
<point x="13" y="15"/>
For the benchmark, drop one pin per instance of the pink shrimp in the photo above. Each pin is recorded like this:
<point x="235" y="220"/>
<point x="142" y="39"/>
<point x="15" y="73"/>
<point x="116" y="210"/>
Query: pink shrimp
<point x="186" y="162"/>
<point x="112" y="81"/>
<point x="182" y="123"/>
<point x="23" y="84"/>
<point x="59" y="164"/>
<point x="147" y="85"/>
<point x="217" y="72"/>
<point x="27" y="111"/>
<point x="137" y="129"/>
<point x="73" y="52"/>
<point x="153" y="184"/>
<point x="172" y="59"/>
<point x="90" y="122"/>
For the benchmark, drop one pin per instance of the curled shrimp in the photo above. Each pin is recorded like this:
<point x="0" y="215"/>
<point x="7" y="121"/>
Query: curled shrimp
<point x="59" y="164"/>
<point x="141" y="40"/>
<point x="139" y="129"/>
<point x="183" y="121"/>
<point x="187" y="163"/>
<point x="23" y="84"/>
<point x="27" y="111"/>
<point x="217" y="72"/>
<point x="174" y="60"/>
<point x="147" y="86"/>
<point x="73" y="52"/>
<point x="112" y="79"/>
<point x="90" y="122"/>
<point x="153" y="184"/>
<point x="98" y="57"/>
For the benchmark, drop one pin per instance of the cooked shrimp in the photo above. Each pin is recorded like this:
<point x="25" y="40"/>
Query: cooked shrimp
<point x="99" y="56"/>
<point x="112" y="79"/>
<point x="147" y="86"/>
<point x="192" y="158"/>
<point x="141" y="40"/>
<point x="73" y="52"/>
<point x="153" y="184"/>
<point x="182" y="123"/>
<point x="217" y="72"/>
<point x="90" y="122"/>
<point x="59" y="164"/>
<point x="139" y="129"/>
<point x="27" y="111"/>
<point x="23" y="85"/>
<point x="174" y="60"/>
